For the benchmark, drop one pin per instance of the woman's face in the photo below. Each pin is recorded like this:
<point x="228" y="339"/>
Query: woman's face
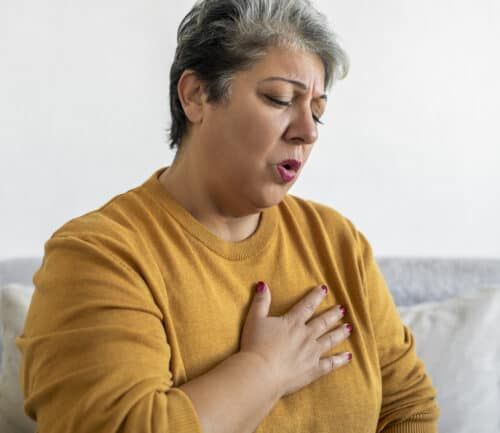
<point x="244" y="139"/>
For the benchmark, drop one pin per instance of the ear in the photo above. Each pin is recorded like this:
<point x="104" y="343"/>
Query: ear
<point x="190" y="91"/>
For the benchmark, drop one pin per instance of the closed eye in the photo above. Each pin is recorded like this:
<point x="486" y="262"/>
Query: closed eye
<point x="287" y="104"/>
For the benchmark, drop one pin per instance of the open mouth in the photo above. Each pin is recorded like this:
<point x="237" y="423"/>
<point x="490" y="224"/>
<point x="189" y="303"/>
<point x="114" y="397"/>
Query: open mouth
<point x="286" y="174"/>
<point x="291" y="164"/>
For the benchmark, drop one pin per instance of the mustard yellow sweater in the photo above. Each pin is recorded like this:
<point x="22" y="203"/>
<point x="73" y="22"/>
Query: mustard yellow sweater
<point x="137" y="297"/>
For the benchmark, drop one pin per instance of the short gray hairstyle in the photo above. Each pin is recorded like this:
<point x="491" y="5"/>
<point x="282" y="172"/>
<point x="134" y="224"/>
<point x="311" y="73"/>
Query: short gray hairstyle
<point x="220" y="37"/>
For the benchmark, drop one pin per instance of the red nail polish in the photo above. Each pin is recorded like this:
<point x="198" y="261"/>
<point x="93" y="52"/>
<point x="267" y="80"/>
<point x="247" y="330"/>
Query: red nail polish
<point x="261" y="286"/>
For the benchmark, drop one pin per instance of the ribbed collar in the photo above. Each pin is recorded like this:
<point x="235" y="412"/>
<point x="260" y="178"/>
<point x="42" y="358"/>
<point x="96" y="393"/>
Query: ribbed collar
<point x="246" y="248"/>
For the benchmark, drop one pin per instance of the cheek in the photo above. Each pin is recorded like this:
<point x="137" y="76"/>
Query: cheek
<point x="260" y="130"/>
<point x="244" y="136"/>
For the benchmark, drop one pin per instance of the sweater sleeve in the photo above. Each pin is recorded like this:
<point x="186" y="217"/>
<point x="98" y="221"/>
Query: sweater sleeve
<point x="94" y="352"/>
<point x="409" y="399"/>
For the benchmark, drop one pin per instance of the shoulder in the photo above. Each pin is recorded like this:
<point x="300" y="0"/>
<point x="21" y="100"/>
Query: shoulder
<point x="113" y="228"/>
<point x="118" y="215"/>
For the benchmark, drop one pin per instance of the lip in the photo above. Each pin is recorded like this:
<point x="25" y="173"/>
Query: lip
<point x="294" y="164"/>
<point x="286" y="175"/>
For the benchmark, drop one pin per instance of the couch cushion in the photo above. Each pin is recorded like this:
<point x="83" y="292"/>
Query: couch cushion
<point x="17" y="270"/>
<point x="14" y="303"/>
<point x="458" y="340"/>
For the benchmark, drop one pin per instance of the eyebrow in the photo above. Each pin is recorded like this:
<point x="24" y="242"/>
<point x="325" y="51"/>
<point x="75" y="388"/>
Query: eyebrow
<point x="294" y="82"/>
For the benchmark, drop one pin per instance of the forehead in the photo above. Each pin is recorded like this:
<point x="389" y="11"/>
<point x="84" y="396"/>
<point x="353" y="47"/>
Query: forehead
<point x="296" y="65"/>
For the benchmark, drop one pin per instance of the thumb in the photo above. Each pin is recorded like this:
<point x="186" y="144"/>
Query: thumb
<point x="261" y="301"/>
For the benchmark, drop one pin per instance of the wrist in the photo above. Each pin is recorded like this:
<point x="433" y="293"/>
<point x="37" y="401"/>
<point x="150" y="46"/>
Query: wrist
<point x="260" y="367"/>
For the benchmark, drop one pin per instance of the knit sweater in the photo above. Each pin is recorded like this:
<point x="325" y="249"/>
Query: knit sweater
<point x="137" y="297"/>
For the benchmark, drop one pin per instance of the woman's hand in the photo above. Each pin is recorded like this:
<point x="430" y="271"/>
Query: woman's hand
<point x="289" y="346"/>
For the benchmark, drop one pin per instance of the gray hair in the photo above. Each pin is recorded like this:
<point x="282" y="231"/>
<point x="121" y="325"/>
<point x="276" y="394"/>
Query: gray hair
<point x="220" y="37"/>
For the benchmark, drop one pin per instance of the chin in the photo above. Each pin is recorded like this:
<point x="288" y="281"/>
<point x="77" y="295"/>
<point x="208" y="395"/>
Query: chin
<point x="274" y="197"/>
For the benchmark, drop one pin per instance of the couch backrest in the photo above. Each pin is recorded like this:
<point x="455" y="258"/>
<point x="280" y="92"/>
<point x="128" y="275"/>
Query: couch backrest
<point x="19" y="270"/>
<point x="415" y="280"/>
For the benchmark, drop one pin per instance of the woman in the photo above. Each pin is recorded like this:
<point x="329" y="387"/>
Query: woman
<point x="144" y="318"/>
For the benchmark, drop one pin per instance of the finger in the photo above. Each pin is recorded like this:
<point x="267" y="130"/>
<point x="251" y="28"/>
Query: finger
<point x="334" y="362"/>
<point x="335" y="337"/>
<point x="324" y="322"/>
<point x="261" y="301"/>
<point x="304" y="309"/>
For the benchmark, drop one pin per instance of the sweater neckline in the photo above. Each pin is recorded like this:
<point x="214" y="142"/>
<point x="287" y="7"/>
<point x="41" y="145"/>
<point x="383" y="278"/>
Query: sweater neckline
<point x="240" y="250"/>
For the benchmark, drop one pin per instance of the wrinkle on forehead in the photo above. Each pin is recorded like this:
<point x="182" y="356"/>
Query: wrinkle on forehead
<point x="298" y="65"/>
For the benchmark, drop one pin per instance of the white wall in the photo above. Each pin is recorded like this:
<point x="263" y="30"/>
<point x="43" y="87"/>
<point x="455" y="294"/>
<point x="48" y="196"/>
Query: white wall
<point x="410" y="149"/>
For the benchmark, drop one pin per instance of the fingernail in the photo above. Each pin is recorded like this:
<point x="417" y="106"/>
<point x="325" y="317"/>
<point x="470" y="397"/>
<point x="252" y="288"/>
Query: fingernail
<point x="342" y="309"/>
<point x="349" y="356"/>
<point x="325" y="289"/>
<point x="349" y="327"/>
<point x="261" y="286"/>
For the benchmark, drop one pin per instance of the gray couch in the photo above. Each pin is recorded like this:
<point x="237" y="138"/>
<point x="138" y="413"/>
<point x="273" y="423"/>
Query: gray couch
<point x="413" y="282"/>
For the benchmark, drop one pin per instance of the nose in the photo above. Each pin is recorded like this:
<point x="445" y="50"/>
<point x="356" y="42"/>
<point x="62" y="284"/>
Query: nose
<point x="303" y="128"/>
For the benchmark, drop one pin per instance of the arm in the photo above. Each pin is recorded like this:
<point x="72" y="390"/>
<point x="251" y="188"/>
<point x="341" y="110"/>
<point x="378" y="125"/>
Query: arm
<point x="409" y="402"/>
<point x="95" y="356"/>
<point x="233" y="397"/>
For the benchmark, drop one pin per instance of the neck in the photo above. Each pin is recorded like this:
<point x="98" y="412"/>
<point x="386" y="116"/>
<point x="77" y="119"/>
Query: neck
<point x="187" y="185"/>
